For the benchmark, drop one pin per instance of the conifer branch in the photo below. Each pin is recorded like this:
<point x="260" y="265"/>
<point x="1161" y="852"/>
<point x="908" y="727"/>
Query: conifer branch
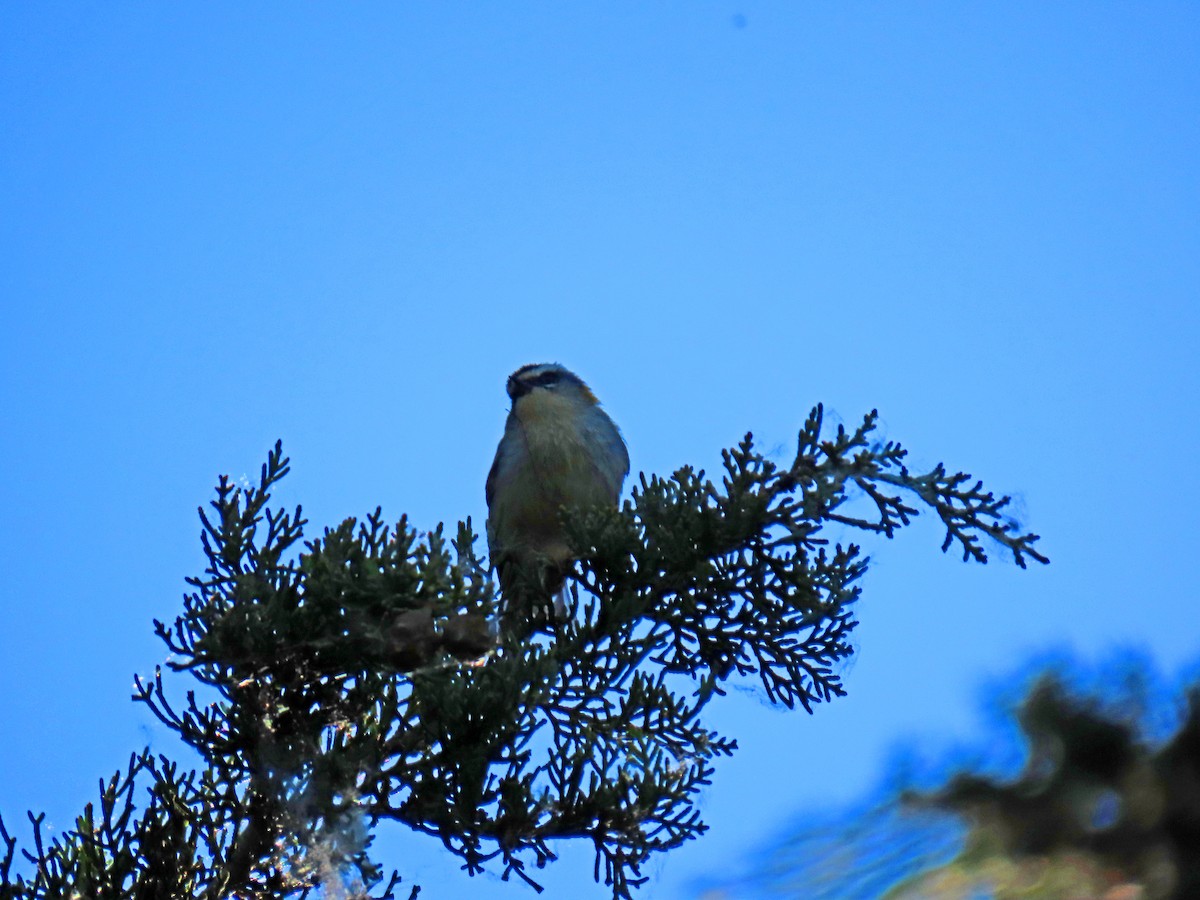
<point x="354" y="677"/>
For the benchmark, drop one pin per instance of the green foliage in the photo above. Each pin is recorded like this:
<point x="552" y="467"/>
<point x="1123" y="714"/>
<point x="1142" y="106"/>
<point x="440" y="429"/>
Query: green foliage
<point x="356" y="680"/>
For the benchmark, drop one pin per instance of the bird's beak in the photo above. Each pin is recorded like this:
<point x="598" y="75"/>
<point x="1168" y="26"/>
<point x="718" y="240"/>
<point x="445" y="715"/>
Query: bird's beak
<point x="517" y="388"/>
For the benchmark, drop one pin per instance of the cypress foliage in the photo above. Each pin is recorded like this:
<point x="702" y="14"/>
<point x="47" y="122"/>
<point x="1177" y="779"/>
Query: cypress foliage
<point x="354" y="678"/>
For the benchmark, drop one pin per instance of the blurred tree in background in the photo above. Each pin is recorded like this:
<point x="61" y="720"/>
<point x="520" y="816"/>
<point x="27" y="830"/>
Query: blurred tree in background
<point x="1106" y="806"/>
<point x="354" y="678"/>
<point x="1098" y="807"/>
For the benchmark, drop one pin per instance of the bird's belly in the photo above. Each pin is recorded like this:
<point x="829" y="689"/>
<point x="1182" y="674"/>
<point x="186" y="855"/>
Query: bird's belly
<point x="564" y="472"/>
<point x="553" y="476"/>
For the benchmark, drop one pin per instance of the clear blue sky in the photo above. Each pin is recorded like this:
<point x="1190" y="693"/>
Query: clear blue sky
<point x="343" y="226"/>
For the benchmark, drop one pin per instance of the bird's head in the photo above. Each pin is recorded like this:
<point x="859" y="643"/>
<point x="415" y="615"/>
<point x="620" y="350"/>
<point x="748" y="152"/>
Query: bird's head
<point x="548" y="383"/>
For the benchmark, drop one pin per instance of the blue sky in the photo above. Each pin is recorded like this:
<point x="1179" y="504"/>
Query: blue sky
<point x="344" y="226"/>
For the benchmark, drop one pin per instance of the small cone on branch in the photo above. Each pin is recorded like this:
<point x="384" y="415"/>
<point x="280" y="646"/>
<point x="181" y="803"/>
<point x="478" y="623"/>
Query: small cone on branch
<point x="412" y="639"/>
<point x="468" y="636"/>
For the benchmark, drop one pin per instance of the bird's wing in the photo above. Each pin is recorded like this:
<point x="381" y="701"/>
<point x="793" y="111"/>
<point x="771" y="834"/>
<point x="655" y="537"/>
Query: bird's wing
<point x="493" y="474"/>
<point x="624" y="457"/>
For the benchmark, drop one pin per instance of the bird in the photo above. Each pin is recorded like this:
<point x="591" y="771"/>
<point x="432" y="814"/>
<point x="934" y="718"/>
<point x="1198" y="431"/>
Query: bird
<point x="559" y="450"/>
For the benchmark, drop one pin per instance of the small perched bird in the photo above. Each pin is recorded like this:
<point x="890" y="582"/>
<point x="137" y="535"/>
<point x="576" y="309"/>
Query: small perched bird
<point x="559" y="449"/>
